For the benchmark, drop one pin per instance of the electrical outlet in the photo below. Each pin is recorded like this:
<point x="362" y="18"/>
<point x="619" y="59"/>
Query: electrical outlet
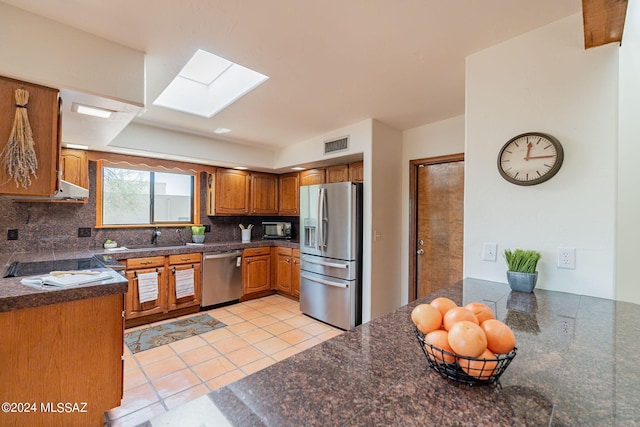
<point x="84" y="232"/>
<point x="207" y="228"/>
<point x="490" y="252"/>
<point x="567" y="258"/>
<point x="12" y="234"/>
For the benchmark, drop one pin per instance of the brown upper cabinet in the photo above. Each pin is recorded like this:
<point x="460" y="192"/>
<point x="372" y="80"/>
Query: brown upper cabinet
<point x="75" y="167"/>
<point x="338" y="173"/>
<point x="356" y="172"/>
<point x="264" y="194"/>
<point x="43" y="112"/>
<point x="237" y="192"/>
<point x="289" y="194"/>
<point x="312" y="176"/>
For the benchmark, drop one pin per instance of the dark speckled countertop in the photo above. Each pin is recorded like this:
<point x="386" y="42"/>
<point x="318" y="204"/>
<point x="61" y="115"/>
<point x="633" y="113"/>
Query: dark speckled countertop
<point x="577" y="365"/>
<point x="15" y="296"/>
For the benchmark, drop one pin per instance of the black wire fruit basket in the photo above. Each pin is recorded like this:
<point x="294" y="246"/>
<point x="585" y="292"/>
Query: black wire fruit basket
<point x="468" y="370"/>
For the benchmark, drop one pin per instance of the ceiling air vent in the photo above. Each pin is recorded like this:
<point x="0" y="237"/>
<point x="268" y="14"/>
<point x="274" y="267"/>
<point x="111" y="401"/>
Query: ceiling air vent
<point x="334" y="145"/>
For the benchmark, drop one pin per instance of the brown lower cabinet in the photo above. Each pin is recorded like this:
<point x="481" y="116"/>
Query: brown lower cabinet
<point x="67" y="352"/>
<point x="287" y="270"/>
<point x="167" y="304"/>
<point x="270" y="269"/>
<point x="256" y="272"/>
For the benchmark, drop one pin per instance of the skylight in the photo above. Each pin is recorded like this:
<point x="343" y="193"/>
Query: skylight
<point x="207" y="84"/>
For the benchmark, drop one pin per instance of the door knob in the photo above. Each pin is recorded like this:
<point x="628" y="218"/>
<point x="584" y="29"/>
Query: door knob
<point x="420" y="251"/>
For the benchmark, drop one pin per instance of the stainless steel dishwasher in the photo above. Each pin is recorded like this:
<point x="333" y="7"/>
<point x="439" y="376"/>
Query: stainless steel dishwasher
<point x="221" y="277"/>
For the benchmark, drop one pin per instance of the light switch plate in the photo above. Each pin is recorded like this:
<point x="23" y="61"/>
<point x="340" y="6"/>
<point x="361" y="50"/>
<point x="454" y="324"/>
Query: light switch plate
<point x="490" y="252"/>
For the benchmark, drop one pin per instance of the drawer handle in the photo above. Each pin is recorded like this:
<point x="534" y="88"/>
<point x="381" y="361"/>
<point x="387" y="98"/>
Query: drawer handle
<point x="146" y="262"/>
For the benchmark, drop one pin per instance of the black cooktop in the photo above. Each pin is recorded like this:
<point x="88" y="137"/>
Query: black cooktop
<point x="19" y="269"/>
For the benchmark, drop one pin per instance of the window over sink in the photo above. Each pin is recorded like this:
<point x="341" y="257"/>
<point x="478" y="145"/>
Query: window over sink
<point x="143" y="196"/>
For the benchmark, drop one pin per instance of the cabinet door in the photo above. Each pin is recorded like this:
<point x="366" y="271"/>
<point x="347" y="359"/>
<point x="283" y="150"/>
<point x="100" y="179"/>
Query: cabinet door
<point x="356" y="172"/>
<point x="75" y="167"/>
<point x="283" y="273"/>
<point x="264" y="194"/>
<point x="256" y="272"/>
<point x="312" y="177"/>
<point x="137" y="309"/>
<point x="43" y="114"/>
<point x="175" y="303"/>
<point x="295" y="274"/>
<point x="289" y="189"/>
<point x="231" y="192"/>
<point x="339" y="173"/>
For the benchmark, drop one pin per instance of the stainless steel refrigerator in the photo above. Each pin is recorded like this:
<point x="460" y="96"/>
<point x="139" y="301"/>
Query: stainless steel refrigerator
<point x="331" y="253"/>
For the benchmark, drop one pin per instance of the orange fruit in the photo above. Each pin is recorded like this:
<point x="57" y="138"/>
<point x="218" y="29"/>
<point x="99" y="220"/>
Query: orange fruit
<point x="466" y="338"/>
<point x="443" y="304"/>
<point x="482" y="311"/>
<point x="458" y="314"/>
<point x="440" y="339"/>
<point x="500" y="337"/>
<point x="426" y="317"/>
<point x="481" y="369"/>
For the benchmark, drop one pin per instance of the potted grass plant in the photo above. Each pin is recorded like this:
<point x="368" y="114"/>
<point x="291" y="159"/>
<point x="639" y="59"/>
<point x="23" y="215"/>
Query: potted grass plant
<point x="197" y="233"/>
<point x="522" y="275"/>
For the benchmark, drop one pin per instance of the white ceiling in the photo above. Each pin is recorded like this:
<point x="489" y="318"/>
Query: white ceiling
<point x="331" y="63"/>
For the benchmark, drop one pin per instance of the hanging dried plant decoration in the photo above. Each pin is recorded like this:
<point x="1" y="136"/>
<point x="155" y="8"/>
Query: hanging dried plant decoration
<point x="19" y="155"/>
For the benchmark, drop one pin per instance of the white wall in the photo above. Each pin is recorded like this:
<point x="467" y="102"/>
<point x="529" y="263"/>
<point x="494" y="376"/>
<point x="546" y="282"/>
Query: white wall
<point x="43" y="51"/>
<point x="386" y="226"/>
<point x="432" y="140"/>
<point x="544" y="81"/>
<point x="628" y="231"/>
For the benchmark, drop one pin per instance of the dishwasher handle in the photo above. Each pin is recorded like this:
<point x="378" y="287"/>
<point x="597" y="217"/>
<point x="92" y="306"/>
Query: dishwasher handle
<point x="222" y="255"/>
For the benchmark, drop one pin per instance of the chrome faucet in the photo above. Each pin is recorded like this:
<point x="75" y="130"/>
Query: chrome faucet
<point x="154" y="237"/>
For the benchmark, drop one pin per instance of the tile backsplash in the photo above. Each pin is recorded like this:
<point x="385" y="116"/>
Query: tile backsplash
<point x="58" y="226"/>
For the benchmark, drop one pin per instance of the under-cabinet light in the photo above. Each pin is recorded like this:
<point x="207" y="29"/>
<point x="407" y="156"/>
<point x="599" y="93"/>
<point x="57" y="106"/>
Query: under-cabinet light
<point x="77" y="146"/>
<point x="298" y="168"/>
<point x="221" y="130"/>
<point x="91" y="111"/>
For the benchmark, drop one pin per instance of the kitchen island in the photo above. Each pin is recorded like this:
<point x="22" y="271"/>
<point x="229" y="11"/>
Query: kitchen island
<point x="576" y="365"/>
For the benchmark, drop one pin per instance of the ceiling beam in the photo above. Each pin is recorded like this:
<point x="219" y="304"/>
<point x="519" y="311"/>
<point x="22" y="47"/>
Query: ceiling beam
<point x="603" y="21"/>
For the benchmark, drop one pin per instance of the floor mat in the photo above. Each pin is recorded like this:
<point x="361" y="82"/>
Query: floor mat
<point x="154" y="336"/>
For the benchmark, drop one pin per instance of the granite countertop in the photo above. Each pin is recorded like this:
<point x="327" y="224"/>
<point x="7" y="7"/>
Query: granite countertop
<point x="16" y="296"/>
<point x="576" y="365"/>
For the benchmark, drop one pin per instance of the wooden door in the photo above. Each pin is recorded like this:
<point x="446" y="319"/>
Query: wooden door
<point x="264" y="194"/>
<point x="256" y="273"/>
<point x="339" y="173"/>
<point x="231" y="192"/>
<point x="295" y="273"/>
<point x="289" y="197"/>
<point x="75" y="167"/>
<point x="437" y="235"/>
<point x="184" y="262"/>
<point x="134" y="308"/>
<point x="312" y="177"/>
<point x="356" y="172"/>
<point x="283" y="272"/>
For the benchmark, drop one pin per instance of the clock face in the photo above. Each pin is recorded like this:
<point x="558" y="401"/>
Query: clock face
<point x="530" y="158"/>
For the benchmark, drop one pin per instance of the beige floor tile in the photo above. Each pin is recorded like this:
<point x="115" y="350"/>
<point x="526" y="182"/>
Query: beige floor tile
<point x="245" y="356"/>
<point x="242" y="327"/>
<point x="308" y="343"/>
<point x="230" y="344"/>
<point x="219" y="313"/>
<point x="278" y="328"/>
<point x="175" y="382"/>
<point x="298" y="321"/>
<point x="186" y="396"/>
<point x="256" y="335"/>
<point x="294" y="336"/>
<point x="282" y="314"/>
<point x="140" y="416"/>
<point x="256" y="304"/>
<point x="239" y="308"/>
<point x="269" y="309"/>
<point x="272" y="345"/>
<point x="264" y="320"/>
<point x="164" y="367"/>
<point x="248" y="315"/>
<point x="287" y="352"/>
<point x="187" y="344"/>
<point x="217" y="335"/>
<point x="213" y="368"/>
<point x="130" y="362"/>
<point x="315" y="328"/>
<point x="199" y="355"/>
<point x="330" y="334"/>
<point x="133" y="400"/>
<point x="225" y="379"/>
<point x="134" y="378"/>
<point x="232" y="320"/>
<point x="258" y="365"/>
<point x="155" y="354"/>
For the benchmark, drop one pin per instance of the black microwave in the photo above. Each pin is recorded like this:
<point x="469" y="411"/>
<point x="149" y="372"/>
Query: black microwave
<point x="276" y="230"/>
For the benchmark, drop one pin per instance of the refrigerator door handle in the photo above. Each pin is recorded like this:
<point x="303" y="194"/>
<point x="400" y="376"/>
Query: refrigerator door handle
<point x="324" y="282"/>
<point x="319" y="220"/>
<point x="325" y="264"/>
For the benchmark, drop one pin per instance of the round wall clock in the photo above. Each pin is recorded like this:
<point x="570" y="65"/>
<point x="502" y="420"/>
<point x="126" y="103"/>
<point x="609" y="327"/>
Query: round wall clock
<point x="530" y="158"/>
